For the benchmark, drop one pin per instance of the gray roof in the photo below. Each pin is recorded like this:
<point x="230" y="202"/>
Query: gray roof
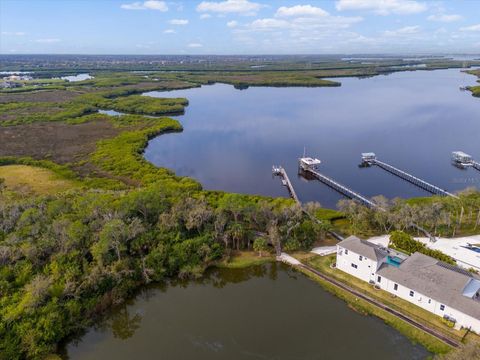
<point x="436" y="280"/>
<point x="364" y="248"/>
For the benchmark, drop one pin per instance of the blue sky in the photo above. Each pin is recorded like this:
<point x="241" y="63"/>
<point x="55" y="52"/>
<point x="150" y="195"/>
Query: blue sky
<point x="239" y="26"/>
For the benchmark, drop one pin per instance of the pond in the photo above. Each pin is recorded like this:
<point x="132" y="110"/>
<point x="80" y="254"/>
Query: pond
<point x="263" y="312"/>
<point x="412" y="120"/>
<point x="110" y="112"/>
<point x="78" y="77"/>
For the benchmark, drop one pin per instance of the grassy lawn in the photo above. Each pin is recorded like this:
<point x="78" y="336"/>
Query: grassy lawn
<point x="242" y="259"/>
<point x="422" y="316"/>
<point x="36" y="179"/>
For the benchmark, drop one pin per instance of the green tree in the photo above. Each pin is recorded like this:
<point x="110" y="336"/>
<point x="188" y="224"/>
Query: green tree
<point x="260" y="245"/>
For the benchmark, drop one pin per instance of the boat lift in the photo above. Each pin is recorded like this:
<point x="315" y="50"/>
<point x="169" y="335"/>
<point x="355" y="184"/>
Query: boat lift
<point x="463" y="160"/>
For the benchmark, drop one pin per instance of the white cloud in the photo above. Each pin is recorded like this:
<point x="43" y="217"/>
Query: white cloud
<point x="471" y="28"/>
<point x="47" y="41"/>
<point x="444" y="17"/>
<point x="169" y="31"/>
<point x="244" y="7"/>
<point x="304" y="24"/>
<point x="205" y="16"/>
<point x="269" y="24"/>
<point x="383" y="7"/>
<point x="179" y="22"/>
<point x="407" y="30"/>
<point x="300" y="10"/>
<point x="146" y="5"/>
<point x="195" y="45"/>
<point x="232" y="24"/>
<point x="13" y="33"/>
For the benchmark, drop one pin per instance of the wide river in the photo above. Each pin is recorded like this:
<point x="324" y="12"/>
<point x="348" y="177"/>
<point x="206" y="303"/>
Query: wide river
<point x="230" y="141"/>
<point x="412" y="120"/>
<point x="263" y="312"/>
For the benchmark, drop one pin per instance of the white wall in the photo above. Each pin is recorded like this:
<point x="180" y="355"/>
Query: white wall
<point x="366" y="268"/>
<point x="430" y="304"/>
<point x="366" y="271"/>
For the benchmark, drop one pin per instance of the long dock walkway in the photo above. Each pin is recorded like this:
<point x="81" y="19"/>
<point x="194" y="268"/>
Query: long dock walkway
<point x="410" y="178"/>
<point x="280" y="171"/>
<point x="342" y="188"/>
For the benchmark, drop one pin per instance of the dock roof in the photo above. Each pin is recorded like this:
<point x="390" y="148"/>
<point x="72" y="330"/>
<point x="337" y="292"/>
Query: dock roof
<point x="310" y="161"/>
<point x="461" y="154"/>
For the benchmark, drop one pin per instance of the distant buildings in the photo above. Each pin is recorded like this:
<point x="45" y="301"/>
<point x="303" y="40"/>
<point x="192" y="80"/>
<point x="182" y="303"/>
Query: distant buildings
<point x="444" y="290"/>
<point x="9" y="84"/>
<point x="17" y="78"/>
<point x="13" y="81"/>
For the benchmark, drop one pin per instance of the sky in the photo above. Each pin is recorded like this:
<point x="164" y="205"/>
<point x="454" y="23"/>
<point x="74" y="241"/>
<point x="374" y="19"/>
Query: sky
<point x="239" y="26"/>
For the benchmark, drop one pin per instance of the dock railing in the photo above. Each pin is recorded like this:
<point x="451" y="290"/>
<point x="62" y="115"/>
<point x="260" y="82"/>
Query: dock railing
<point x="408" y="177"/>
<point x="281" y="172"/>
<point x="342" y="188"/>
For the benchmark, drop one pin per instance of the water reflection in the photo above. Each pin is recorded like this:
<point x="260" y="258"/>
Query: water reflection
<point x="78" y="77"/>
<point x="262" y="312"/>
<point x="123" y="323"/>
<point x="412" y="120"/>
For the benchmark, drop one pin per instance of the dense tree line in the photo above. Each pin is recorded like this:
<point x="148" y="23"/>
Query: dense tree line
<point x="440" y="216"/>
<point x="66" y="258"/>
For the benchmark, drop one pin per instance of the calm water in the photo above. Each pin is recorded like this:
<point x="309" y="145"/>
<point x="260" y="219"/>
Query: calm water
<point x="413" y="120"/>
<point x="110" y="112"/>
<point x="79" y="77"/>
<point x="276" y="314"/>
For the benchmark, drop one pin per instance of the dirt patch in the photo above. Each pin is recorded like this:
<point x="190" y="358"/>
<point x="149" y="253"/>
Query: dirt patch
<point x="56" y="141"/>
<point x="33" y="179"/>
<point x="39" y="96"/>
<point x="36" y="108"/>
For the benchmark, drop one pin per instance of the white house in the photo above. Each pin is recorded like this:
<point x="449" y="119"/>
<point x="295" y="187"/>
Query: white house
<point x="445" y="290"/>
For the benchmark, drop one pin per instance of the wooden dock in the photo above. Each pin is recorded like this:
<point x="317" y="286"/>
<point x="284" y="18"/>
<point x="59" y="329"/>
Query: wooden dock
<point x="341" y="188"/>
<point x="476" y="165"/>
<point x="356" y="196"/>
<point x="463" y="160"/>
<point x="408" y="177"/>
<point x="313" y="171"/>
<point x="281" y="172"/>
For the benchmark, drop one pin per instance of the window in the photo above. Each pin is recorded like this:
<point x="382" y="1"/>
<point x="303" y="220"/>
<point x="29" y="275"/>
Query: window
<point x="346" y="251"/>
<point x="360" y="258"/>
<point x="429" y="301"/>
<point x="379" y="279"/>
<point x="395" y="287"/>
<point x="412" y="293"/>
<point x="442" y="307"/>
<point x="354" y="266"/>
